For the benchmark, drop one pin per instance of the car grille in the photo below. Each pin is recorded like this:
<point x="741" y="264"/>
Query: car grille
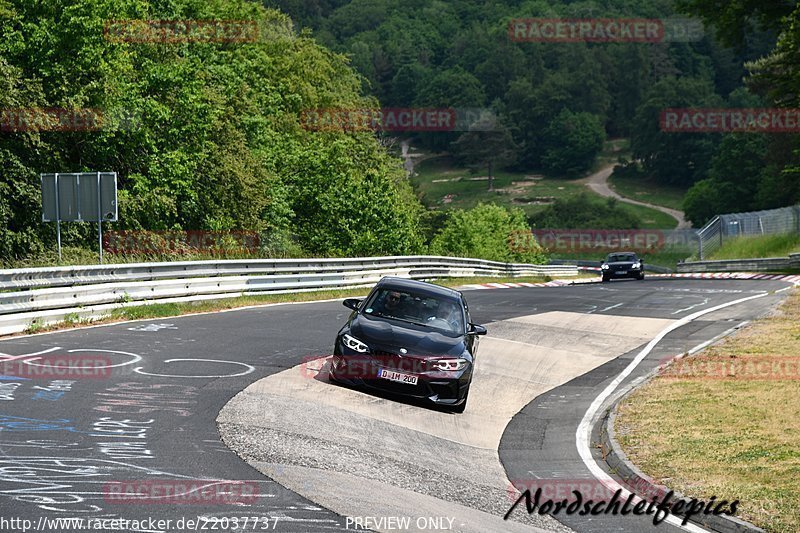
<point x="400" y="363"/>
<point x="614" y="268"/>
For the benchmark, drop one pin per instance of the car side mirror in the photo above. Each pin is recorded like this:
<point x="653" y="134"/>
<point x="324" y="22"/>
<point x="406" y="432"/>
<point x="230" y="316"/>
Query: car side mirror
<point x="475" y="329"/>
<point x="352" y="303"/>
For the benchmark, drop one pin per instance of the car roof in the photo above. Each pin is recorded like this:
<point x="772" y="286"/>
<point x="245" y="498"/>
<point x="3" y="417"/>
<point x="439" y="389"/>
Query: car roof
<point x="391" y="282"/>
<point x="621" y="253"/>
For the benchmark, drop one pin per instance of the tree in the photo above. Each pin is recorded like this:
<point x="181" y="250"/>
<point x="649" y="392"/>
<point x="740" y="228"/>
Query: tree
<point x="700" y="204"/>
<point x="218" y="141"/>
<point x="733" y="20"/>
<point x="486" y="148"/>
<point x="407" y="82"/>
<point x="571" y="143"/>
<point x="674" y="158"/>
<point x="450" y="88"/>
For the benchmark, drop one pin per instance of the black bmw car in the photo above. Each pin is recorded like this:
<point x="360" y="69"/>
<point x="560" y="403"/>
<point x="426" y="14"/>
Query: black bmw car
<point x="622" y="265"/>
<point x="410" y="338"/>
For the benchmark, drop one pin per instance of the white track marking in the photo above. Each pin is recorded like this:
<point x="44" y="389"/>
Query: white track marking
<point x="704" y="302"/>
<point x="250" y="368"/>
<point x="136" y="359"/>
<point x="583" y="433"/>
<point x="7" y="357"/>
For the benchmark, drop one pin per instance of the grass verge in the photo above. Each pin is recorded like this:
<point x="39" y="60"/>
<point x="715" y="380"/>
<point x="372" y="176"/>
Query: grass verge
<point x="736" y="438"/>
<point x="171" y="309"/>
<point x="443" y="185"/>
<point x="648" y="190"/>
<point x="651" y="218"/>
<point x="760" y="246"/>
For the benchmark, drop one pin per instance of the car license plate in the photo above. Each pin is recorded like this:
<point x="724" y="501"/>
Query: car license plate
<point x="399" y="377"/>
<point x="620" y="272"/>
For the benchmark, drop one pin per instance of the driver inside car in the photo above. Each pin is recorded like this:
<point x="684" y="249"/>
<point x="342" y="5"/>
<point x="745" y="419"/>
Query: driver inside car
<point x="391" y="304"/>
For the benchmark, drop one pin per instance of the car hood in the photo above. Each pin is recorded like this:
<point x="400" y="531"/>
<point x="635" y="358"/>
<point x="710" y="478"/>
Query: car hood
<point x="622" y="263"/>
<point x="418" y="340"/>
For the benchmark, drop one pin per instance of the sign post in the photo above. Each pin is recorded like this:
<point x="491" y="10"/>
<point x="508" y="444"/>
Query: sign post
<point x="68" y="198"/>
<point x="99" y="222"/>
<point x="58" y="221"/>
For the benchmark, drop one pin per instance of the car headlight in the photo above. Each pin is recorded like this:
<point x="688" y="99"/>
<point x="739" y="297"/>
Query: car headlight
<point x="637" y="266"/>
<point x="604" y="266"/>
<point x="354" y="344"/>
<point x="450" y="365"/>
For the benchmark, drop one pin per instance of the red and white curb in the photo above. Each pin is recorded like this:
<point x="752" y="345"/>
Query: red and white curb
<point x="553" y="283"/>
<point x="794" y="279"/>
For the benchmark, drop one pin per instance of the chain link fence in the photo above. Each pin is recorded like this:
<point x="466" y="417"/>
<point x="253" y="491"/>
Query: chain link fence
<point x="770" y="222"/>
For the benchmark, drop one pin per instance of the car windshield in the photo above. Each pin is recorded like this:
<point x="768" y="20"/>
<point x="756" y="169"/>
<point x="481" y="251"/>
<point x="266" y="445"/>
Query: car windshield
<point x="615" y="258"/>
<point x="441" y="314"/>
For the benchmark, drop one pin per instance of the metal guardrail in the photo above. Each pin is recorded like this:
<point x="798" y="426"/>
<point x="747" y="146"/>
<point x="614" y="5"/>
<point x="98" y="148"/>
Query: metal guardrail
<point x="49" y="294"/>
<point x="581" y="263"/>
<point x="768" y="264"/>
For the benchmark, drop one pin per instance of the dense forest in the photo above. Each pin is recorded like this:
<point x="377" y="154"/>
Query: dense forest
<point x="218" y="144"/>
<point x="557" y="98"/>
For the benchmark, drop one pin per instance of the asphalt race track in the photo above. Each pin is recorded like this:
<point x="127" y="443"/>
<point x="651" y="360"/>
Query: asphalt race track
<point x="163" y="395"/>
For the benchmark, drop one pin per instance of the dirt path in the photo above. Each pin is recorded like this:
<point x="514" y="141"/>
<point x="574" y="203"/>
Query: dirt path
<point x="409" y="159"/>
<point x="598" y="182"/>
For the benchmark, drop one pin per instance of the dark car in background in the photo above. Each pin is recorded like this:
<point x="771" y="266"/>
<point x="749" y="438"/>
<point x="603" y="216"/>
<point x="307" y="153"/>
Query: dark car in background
<point x="409" y="338"/>
<point x="622" y="265"/>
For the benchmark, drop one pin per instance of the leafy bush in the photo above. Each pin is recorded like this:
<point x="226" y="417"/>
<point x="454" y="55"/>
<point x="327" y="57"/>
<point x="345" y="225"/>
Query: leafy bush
<point x="483" y="232"/>
<point x="581" y="212"/>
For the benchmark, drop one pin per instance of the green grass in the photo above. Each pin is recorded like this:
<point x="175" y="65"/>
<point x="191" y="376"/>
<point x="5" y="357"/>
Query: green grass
<point x="738" y="437"/>
<point x="650" y="218"/>
<point x="532" y="195"/>
<point x="511" y="189"/>
<point x="755" y="247"/>
<point x="646" y="190"/>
